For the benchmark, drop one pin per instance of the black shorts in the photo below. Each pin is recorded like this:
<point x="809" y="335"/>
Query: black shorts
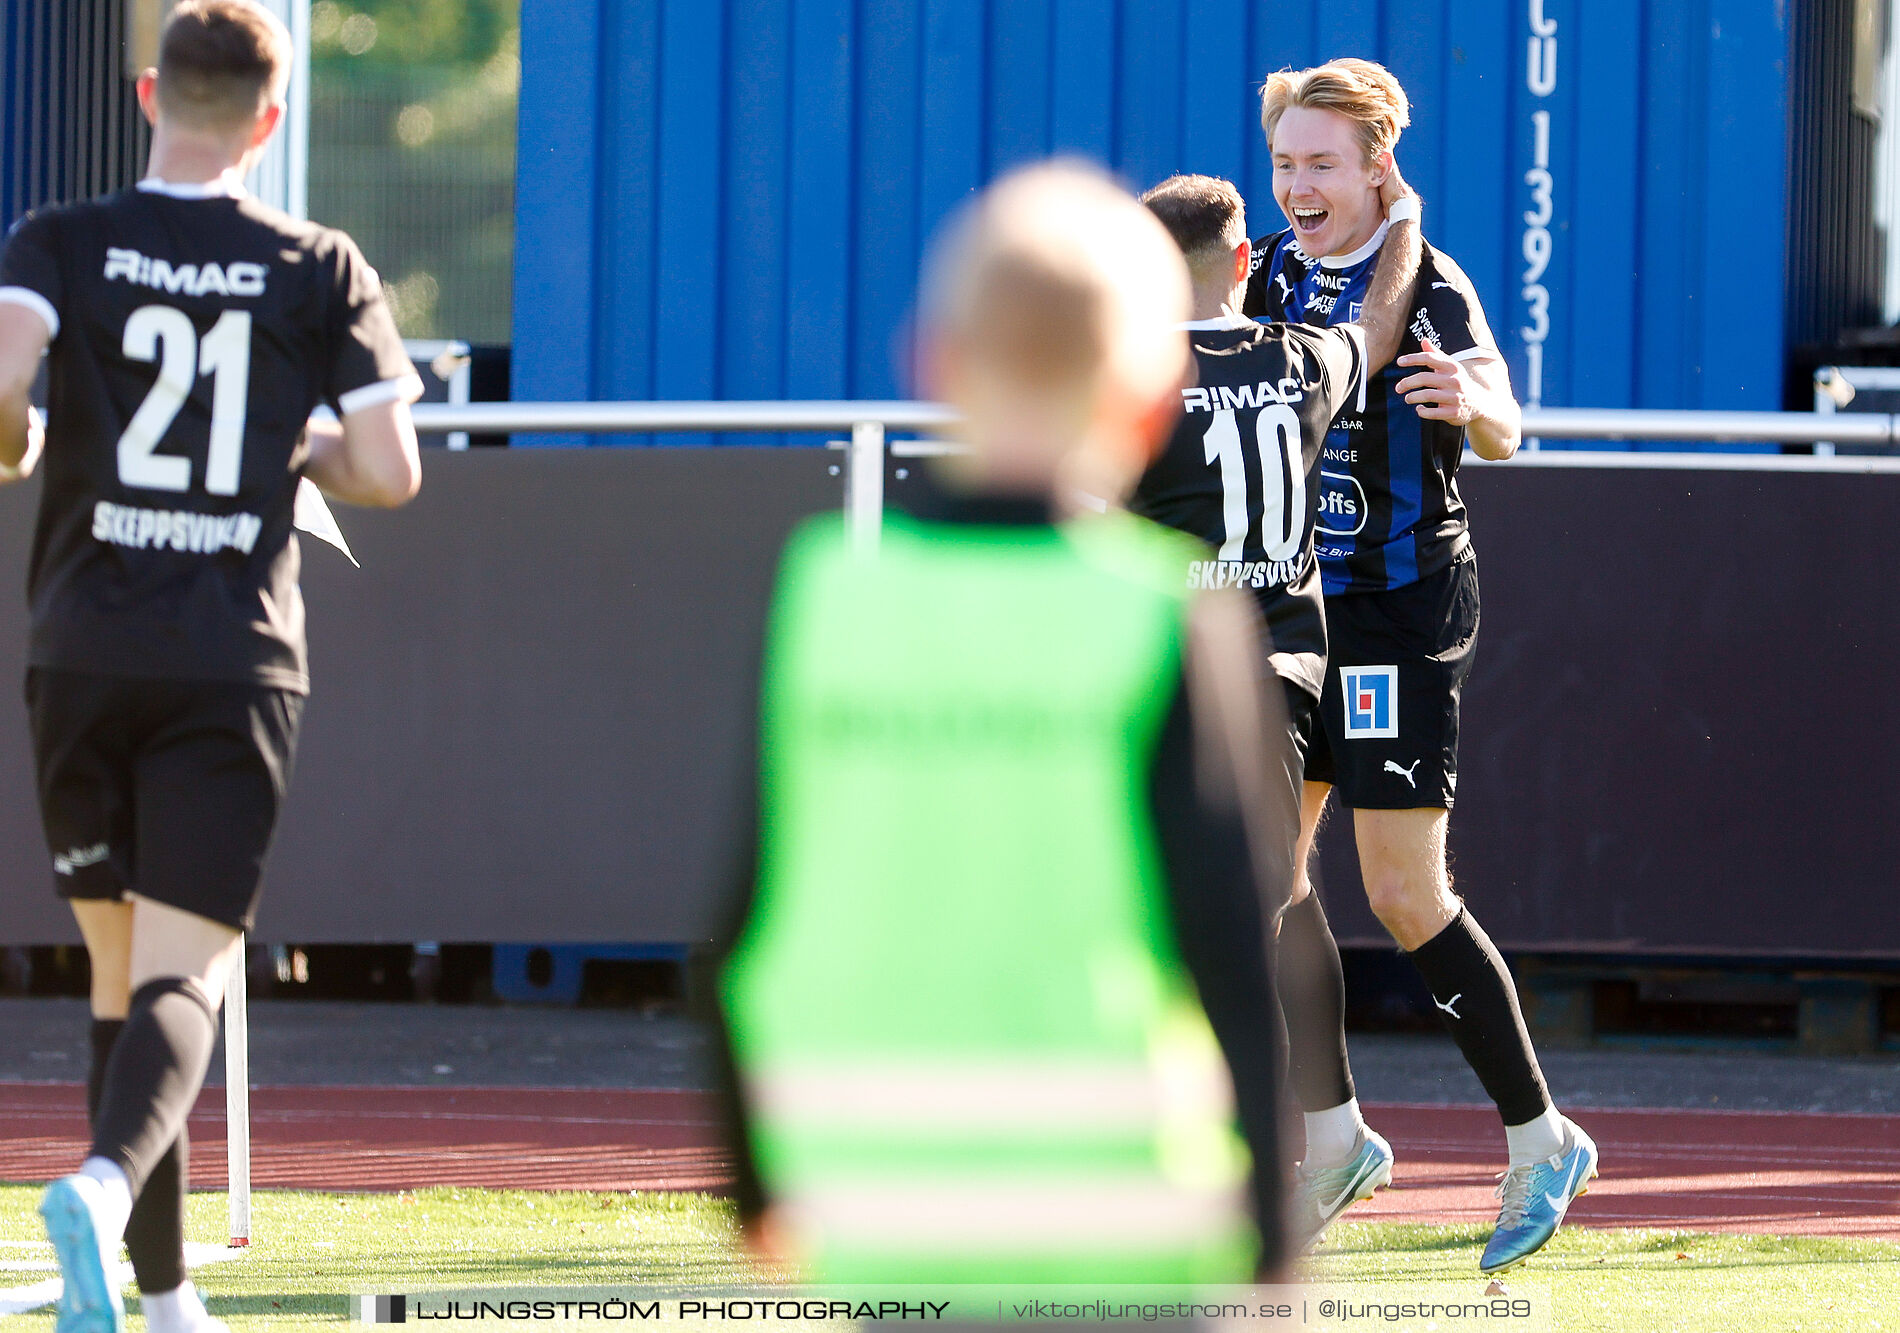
<point x="167" y="789"/>
<point x="1395" y="671"/>
<point x="1302" y="718"/>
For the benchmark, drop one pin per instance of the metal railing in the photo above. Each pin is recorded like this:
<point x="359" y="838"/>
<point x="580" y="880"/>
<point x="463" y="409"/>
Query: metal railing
<point x="870" y="422"/>
<point x="1555" y="423"/>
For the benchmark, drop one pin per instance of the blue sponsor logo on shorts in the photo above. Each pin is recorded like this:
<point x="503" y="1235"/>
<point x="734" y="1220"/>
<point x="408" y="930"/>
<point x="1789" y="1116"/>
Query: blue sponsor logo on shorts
<point x="1372" y="701"/>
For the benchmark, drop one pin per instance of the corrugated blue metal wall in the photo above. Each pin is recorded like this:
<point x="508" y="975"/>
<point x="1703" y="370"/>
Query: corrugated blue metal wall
<point x="728" y="198"/>
<point x="1836" y="243"/>
<point x="69" y="123"/>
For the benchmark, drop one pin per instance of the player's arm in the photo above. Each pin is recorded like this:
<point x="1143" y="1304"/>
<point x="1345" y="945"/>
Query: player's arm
<point x="31" y="295"/>
<point x="23" y="337"/>
<point x="368" y="456"/>
<point x="1389" y="294"/>
<point x="1471" y="389"/>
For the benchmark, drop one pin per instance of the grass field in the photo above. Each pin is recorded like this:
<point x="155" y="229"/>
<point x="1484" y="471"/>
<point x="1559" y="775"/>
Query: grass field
<point x="1647" y="1281"/>
<point x="312" y="1250"/>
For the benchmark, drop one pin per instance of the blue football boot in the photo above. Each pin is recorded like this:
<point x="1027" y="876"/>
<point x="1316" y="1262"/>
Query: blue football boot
<point x="75" y="1210"/>
<point x="1535" y="1198"/>
<point x="1320" y="1197"/>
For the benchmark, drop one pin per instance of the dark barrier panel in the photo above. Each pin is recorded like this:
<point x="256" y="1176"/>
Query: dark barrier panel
<point x="522" y="724"/>
<point x="1680" y="733"/>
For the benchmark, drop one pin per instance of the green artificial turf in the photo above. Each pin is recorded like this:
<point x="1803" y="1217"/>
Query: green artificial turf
<point x="1643" y="1281"/>
<point x="311" y="1251"/>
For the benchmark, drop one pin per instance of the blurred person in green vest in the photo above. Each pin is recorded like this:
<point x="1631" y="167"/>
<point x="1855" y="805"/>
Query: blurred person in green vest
<point x="1013" y="820"/>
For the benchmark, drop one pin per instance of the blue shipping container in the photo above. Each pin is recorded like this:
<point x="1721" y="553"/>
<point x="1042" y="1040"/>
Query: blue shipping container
<point x="70" y="126"/>
<point x="729" y="198"/>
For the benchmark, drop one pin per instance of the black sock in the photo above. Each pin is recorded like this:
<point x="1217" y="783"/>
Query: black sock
<point x="1312" y="988"/>
<point x="153" y="1076"/>
<point x="105" y="1031"/>
<point x="1478" y="1003"/>
<point x="155" y="1232"/>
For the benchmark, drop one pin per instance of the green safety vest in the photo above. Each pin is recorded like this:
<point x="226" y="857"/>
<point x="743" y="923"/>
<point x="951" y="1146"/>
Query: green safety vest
<point x="969" y="1046"/>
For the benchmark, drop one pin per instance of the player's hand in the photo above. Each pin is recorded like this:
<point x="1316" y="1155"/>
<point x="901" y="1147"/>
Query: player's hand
<point x="35" y="445"/>
<point x="1393" y="188"/>
<point x="1442" y="390"/>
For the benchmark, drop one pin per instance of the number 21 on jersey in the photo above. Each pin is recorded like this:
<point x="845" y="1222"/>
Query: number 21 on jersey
<point x="1282" y="480"/>
<point x="166" y="335"/>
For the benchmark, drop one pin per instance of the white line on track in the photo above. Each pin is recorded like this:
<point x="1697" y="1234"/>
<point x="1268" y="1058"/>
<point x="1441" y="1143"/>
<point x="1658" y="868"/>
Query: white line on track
<point x="18" y="1300"/>
<point x="289" y="1116"/>
<point x="1643" y="1110"/>
<point x="1759" y="1224"/>
<point x="1844" y="1159"/>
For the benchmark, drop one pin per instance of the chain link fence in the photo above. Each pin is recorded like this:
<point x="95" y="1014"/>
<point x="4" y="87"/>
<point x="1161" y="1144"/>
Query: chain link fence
<point x="417" y="162"/>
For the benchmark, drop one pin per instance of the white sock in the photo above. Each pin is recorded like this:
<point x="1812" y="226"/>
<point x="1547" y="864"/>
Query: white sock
<point x="1332" y="1136"/>
<point x="118" y="1195"/>
<point x="176" y="1311"/>
<point x="1537" y="1139"/>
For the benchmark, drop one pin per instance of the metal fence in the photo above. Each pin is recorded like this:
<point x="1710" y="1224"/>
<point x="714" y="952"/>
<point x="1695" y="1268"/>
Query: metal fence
<point x="1552" y="423"/>
<point x="871" y="422"/>
<point x="418" y="164"/>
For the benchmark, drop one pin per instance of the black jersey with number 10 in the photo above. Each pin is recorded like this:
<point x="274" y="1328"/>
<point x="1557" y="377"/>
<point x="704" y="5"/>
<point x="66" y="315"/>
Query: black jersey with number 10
<point x="194" y="331"/>
<point x="1241" y="471"/>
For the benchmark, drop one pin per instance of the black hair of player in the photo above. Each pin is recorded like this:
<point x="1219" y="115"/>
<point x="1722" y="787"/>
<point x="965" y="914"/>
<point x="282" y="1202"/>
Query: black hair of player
<point x="221" y="62"/>
<point x="1205" y="214"/>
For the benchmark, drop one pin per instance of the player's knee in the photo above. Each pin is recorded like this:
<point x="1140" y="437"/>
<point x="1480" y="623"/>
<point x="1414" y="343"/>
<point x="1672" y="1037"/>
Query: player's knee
<point x="190" y="989"/>
<point x="1385" y="894"/>
<point x="1302" y="887"/>
<point x="1397" y="897"/>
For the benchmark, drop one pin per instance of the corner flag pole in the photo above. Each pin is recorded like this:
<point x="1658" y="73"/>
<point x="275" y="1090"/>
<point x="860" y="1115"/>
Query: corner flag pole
<point x="237" y="1098"/>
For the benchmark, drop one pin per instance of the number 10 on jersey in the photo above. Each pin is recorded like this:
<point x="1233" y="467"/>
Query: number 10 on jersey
<point x="1282" y="506"/>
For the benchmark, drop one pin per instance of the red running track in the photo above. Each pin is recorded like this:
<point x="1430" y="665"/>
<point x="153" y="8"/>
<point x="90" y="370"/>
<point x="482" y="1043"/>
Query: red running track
<point x="1770" y="1173"/>
<point x="1739" y="1171"/>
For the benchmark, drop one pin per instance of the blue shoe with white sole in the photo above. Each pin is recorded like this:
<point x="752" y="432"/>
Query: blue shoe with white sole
<point x="74" y="1208"/>
<point x="1535" y="1199"/>
<point x="1321" y="1196"/>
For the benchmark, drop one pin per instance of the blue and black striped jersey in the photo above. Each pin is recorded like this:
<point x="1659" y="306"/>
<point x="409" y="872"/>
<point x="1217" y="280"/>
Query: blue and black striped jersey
<point x="1389" y="509"/>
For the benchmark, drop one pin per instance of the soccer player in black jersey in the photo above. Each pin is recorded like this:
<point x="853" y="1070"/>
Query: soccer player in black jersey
<point x="190" y="332"/>
<point x="1242" y="471"/>
<point x="1243" y="465"/>
<point x="1402" y="612"/>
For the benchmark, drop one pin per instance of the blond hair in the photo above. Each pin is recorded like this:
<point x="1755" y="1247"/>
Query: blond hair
<point x="1362" y="91"/>
<point x="221" y="63"/>
<point x="1058" y="282"/>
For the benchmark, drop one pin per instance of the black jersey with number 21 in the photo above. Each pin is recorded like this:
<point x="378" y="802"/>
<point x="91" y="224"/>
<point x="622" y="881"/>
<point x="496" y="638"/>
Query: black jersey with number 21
<point x="1241" y="471"/>
<point x="193" y="333"/>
